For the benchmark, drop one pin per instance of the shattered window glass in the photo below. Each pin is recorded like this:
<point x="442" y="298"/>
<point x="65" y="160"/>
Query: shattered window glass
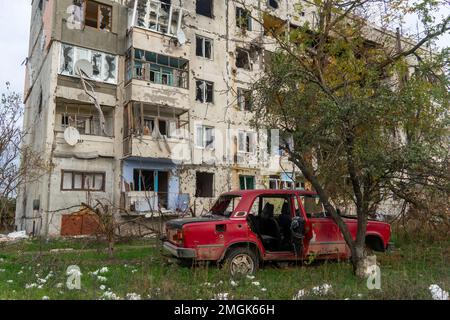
<point x="104" y="66"/>
<point x="159" y="16"/>
<point x="67" y="60"/>
<point x="109" y="70"/>
<point x="98" y="16"/>
<point x="96" y="64"/>
<point x="105" y="18"/>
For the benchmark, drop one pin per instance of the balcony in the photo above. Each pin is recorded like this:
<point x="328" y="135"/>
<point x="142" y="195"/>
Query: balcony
<point x="157" y="132"/>
<point x="154" y="203"/>
<point x="94" y="141"/>
<point x="156" y="78"/>
<point x="163" y="148"/>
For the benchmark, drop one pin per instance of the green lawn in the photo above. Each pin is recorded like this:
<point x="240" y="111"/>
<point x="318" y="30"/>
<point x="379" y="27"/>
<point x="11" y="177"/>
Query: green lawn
<point x="30" y="271"/>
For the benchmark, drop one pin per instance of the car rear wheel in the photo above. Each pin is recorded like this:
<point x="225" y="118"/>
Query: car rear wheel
<point x="241" y="261"/>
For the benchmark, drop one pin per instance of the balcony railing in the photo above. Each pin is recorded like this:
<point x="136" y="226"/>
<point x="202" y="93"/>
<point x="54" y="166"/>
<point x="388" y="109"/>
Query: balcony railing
<point x="144" y="202"/>
<point x="157" y="68"/>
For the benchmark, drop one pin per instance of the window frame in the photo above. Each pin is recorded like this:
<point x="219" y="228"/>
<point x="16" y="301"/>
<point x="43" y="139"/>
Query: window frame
<point x="99" y="5"/>
<point x="245" y="177"/>
<point x="205" y="91"/>
<point x="245" y="99"/>
<point x="247" y="52"/>
<point x="83" y="174"/>
<point x="204" y="15"/>
<point x="204" y="145"/>
<point x="240" y="15"/>
<point x="204" y="39"/>
<point x="252" y="145"/>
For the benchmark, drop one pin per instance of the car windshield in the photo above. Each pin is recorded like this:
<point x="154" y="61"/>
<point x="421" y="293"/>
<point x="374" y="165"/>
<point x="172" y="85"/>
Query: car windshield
<point x="225" y="205"/>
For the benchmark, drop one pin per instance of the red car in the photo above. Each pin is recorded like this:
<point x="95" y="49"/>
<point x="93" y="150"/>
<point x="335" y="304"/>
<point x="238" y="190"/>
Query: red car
<point x="244" y="228"/>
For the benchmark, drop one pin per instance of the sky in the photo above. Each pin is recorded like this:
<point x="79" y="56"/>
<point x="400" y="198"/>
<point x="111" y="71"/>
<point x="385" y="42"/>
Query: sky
<point x="14" y="33"/>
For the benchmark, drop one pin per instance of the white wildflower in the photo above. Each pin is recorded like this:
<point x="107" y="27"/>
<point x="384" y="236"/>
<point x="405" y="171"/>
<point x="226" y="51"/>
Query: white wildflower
<point x="101" y="279"/>
<point x="30" y="285"/>
<point x="255" y="283"/>
<point x="300" y="294"/>
<point x="103" y="270"/>
<point x="10" y="281"/>
<point x="2" y="270"/>
<point x="20" y="272"/>
<point x="134" y="271"/>
<point x="133" y="296"/>
<point x="250" y="277"/>
<point x="437" y="293"/>
<point x="234" y="283"/>
<point x="263" y="289"/>
<point x="221" y="296"/>
<point x="45" y="298"/>
<point x="255" y="298"/>
<point x="59" y="285"/>
<point x="321" y="290"/>
<point x="102" y="287"/>
<point x="109" y="295"/>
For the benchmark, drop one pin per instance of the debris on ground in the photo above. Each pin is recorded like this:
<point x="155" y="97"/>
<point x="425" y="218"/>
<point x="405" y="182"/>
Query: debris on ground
<point x="13" y="236"/>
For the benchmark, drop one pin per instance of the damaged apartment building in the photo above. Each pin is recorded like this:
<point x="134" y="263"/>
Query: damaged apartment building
<point x="146" y="104"/>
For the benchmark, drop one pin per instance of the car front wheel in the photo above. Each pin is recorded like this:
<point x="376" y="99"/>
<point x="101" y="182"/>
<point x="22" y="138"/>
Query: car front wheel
<point x="242" y="261"/>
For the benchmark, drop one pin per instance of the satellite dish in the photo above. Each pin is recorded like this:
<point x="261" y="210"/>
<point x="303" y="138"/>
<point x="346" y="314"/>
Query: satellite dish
<point x="72" y="136"/>
<point x="181" y="37"/>
<point x="85" y="66"/>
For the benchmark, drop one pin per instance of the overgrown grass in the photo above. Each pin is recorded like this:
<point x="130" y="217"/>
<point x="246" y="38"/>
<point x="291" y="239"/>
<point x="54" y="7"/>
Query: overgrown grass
<point x="138" y="267"/>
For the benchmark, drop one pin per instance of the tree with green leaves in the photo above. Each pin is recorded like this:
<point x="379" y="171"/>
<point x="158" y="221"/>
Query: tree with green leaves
<point x="368" y="110"/>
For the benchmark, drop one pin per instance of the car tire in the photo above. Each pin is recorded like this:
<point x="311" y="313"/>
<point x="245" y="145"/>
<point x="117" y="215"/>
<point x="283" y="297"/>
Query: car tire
<point x="241" y="261"/>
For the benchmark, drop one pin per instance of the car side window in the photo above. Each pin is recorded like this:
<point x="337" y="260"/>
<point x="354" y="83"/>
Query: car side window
<point x="254" y="210"/>
<point x="313" y="207"/>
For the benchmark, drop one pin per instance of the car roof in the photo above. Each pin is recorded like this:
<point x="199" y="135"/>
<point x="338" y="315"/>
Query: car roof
<point x="269" y="192"/>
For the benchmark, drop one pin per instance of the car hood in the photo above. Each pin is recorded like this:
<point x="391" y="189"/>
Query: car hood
<point x="179" y="223"/>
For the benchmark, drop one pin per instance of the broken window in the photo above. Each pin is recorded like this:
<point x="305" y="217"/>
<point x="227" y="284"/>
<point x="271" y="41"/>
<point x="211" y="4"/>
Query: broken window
<point x="243" y="19"/>
<point x="243" y="59"/>
<point x="204" y="47"/>
<point x="204" y="137"/>
<point x="82" y="181"/>
<point x="151" y="126"/>
<point x="205" y="91"/>
<point x="98" y="15"/>
<point x="247" y="182"/>
<point x="159" y="16"/>
<point x="143" y="180"/>
<point x="204" y="185"/>
<point x="84" y="118"/>
<point x="158" y="68"/>
<point x="104" y="65"/>
<point x="205" y="8"/>
<point x="244" y="99"/>
<point x="246" y="142"/>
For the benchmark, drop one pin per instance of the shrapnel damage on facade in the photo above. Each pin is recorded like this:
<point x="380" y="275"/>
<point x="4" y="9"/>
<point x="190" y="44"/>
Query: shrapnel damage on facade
<point x="171" y="78"/>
